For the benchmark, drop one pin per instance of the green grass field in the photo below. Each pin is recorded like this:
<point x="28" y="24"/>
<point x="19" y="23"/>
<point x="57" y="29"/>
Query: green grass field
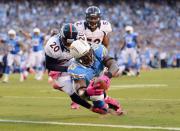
<point x="151" y="100"/>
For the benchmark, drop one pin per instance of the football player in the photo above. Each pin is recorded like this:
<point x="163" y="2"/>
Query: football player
<point x="130" y="49"/>
<point x="90" y="62"/>
<point x="96" y="30"/>
<point x="14" y="47"/>
<point x="2" y="56"/>
<point x="36" y="57"/>
<point x="58" y="59"/>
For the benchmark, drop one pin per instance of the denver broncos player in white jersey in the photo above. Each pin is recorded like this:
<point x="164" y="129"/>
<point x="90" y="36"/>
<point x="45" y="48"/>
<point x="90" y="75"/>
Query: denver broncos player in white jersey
<point x="58" y="59"/>
<point x="96" y="30"/>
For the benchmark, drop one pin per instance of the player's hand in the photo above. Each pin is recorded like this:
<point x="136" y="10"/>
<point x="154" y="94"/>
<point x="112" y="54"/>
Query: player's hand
<point x="103" y="81"/>
<point x="93" y="89"/>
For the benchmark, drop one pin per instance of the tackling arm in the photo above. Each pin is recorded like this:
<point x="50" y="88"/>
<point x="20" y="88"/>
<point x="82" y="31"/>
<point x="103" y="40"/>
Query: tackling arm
<point x="111" y="64"/>
<point x="53" y="64"/>
<point x="105" y="41"/>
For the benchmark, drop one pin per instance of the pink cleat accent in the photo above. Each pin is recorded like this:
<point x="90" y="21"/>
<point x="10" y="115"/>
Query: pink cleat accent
<point x="74" y="106"/>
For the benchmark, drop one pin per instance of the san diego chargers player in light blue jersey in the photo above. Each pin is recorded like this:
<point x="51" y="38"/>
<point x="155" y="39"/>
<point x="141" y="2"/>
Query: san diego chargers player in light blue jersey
<point x="129" y="49"/>
<point x="36" y="56"/>
<point x="89" y="64"/>
<point x="14" y="53"/>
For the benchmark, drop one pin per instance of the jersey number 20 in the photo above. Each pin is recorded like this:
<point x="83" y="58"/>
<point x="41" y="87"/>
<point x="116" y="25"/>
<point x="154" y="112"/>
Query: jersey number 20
<point x="55" y="47"/>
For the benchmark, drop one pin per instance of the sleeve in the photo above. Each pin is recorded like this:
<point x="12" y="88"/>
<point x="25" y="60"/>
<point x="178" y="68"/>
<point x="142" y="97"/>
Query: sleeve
<point x="74" y="72"/>
<point x="53" y="64"/>
<point x="79" y="26"/>
<point x="106" y="27"/>
<point x="42" y="38"/>
<point x="81" y="36"/>
<point x="52" y="49"/>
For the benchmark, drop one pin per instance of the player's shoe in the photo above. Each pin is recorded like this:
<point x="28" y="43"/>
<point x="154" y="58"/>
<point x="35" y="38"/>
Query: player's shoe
<point x="22" y="77"/>
<point x="74" y="106"/>
<point x="6" y="79"/>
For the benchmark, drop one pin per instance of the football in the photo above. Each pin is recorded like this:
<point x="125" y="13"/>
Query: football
<point x="101" y="84"/>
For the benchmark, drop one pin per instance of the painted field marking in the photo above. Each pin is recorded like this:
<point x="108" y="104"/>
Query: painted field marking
<point x="117" y="87"/>
<point x="65" y="98"/>
<point x="91" y="125"/>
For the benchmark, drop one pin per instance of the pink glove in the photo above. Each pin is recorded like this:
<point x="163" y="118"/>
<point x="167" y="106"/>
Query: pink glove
<point x="54" y="74"/>
<point x="106" y="80"/>
<point x="93" y="90"/>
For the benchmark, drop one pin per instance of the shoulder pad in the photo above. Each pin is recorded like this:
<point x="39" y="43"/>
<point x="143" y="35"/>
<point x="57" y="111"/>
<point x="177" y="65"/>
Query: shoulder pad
<point x="99" y="50"/>
<point x="79" y="25"/>
<point x="105" y="26"/>
<point x="52" y="48"/>
<point x="81" y="36"/>
<point x="72" y="70"/>
<point x="135" y="34"/>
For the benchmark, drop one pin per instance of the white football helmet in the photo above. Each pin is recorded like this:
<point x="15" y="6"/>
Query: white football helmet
<point x="129" y="29"/>
<point x="82" y="52"/>
<point x="36" y="30"/>
<point x="12" y="33"/>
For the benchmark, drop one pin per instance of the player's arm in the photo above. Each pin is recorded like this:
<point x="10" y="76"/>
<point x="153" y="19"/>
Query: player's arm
<point x="43" y="38"/>
<point x="113" y="68"/>
<point x="2" y="41"/>
<point x="26" y="34"/>
<point x="22" y="46"/>
<point x="105" y="41"/>
<point x="53" y="64"/>
<point x="107" y="29"/>
<point x="138" y="42"/>
<point x="122" y="42"/>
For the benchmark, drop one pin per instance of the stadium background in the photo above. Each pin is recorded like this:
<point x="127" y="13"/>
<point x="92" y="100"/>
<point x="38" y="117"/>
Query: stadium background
<point x="152" y="100"/>
<point x="157" y="22"/>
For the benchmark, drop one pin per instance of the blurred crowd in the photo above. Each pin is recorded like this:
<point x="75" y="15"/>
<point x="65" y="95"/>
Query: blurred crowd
<point x="156" y="22"/>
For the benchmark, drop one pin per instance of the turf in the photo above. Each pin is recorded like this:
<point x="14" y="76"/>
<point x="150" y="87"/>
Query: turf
<point x="148" y="106"/>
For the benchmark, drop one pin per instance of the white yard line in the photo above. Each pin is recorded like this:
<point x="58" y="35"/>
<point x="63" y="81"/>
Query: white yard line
<point x="117" y="87"/>
<point x="90" y="124"/>
<point x="63" y="98"/>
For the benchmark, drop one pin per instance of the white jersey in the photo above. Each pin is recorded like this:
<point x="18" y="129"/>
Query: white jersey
<point x="97" y="35"/>
<point x="54" y="49"/>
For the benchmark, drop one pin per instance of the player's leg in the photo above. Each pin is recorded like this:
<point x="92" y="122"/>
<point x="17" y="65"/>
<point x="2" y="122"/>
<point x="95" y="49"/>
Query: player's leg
<point x="1" y="66"/>
<point x="60" y="80"/>
<point x="30" y="62"/>
<point x="64" y="83"/>
<point x="134" y="57"/>
<point x="10" y="61"/>
<point x="39" y="65"/>
<point x="18" y="60"/>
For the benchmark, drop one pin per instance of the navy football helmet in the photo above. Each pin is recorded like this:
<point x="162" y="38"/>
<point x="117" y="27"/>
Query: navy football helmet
<point x="93" y="17"/>
<point x="68" y="34"/>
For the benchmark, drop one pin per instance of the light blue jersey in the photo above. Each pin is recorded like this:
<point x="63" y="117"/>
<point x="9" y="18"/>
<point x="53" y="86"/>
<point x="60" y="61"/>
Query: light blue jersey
<point x="79" y="71"/>
<point x="37" y="42"/>
<point x="13" y="45"/>
<point x="130" y="40"/>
